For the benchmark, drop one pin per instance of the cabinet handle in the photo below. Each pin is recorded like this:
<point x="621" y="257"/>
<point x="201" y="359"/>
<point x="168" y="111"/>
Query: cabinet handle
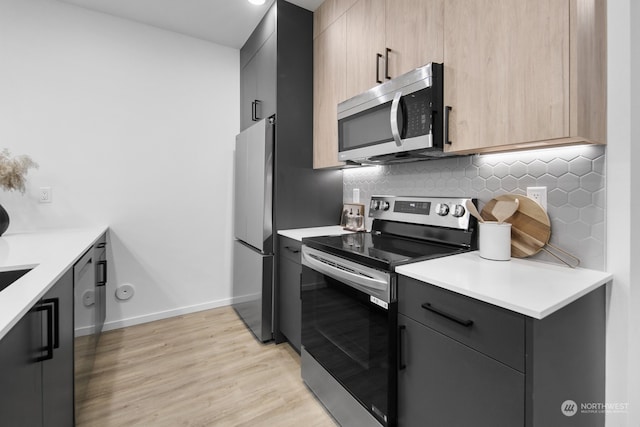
<point x="102" y="278"/>
<point x="463" y="322"/>
<point x="401" y="365"/>
<point x="290" y="249"/>
<point x="54" y="303"/>
<point x="48" y="348"/>
<point x="386" y="64"/>
<point x="378" y="56"/>
<point x="254" y="110"/>
<point x="447" y="111"/>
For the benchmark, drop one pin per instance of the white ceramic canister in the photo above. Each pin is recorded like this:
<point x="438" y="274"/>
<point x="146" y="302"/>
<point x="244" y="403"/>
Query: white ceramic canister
<point x="495" y="240"/>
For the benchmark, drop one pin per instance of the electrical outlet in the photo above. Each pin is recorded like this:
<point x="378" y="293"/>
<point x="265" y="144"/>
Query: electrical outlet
<point x="356" y="195"/>
<point x="45" y="195"/>
<point x="539" y="194"/>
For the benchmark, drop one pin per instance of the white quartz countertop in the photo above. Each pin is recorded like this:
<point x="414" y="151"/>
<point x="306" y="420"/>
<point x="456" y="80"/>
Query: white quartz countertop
<point x="49" y="253"/>
<point x="300" y="233"/>
<point x="532" y="288"/>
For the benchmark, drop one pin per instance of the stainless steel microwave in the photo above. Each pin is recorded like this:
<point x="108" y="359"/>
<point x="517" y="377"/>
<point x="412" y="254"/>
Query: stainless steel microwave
<point x="399" y="120"/>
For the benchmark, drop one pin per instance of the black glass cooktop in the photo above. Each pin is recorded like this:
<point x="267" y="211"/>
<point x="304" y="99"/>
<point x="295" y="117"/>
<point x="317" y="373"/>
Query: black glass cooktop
<point x="379" y="250"/>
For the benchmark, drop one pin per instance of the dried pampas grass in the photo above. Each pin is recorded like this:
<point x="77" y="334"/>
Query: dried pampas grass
<point x="13" y="170"/>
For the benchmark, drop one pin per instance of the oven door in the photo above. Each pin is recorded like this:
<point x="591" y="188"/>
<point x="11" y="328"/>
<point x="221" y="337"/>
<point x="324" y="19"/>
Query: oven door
<point x="348" y="327"/>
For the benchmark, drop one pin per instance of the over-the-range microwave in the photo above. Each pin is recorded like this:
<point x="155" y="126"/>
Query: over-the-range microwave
<point x="399" y="120"/>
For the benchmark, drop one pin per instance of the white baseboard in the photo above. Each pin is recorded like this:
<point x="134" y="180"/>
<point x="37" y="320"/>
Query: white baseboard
<point x="122" y="323"/>
<point x="146" y="318"/>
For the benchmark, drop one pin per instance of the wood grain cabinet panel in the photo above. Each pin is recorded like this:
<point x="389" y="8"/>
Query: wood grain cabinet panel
<point x="328" y="12"/>
<point x="329" y="88"/>
<point x="357" y="45"/>
<point x="518" y="74"/>
<point x="387" y="38"/>
<point x="512" y="74"/>
<point x="414" y="33"/>
<point x="365" y="42"/>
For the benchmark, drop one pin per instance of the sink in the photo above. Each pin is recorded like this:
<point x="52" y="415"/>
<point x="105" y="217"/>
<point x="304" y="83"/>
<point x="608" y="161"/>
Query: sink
<point x="8" y="277"/>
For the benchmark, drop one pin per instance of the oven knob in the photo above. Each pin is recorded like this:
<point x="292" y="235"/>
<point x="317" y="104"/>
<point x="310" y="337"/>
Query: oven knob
<point x="375" y="205"/>
<point x="384" y="206"/>
<point x="458" y="211"/>
<point x="442" y="209"/>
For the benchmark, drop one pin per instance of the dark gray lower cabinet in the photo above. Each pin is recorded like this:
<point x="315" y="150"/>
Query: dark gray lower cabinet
<point x="463" y="362"/>
<point x="446" y="383"/>
<point x="36" y="363"/>
<point x="57" y="371"/>
<point x="20" y="374"/>
<point x="289" y="305"/>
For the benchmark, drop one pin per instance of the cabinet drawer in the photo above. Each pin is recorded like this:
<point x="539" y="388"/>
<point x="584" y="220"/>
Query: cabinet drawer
<point x="492" y="330"/>
<point x="289" y="248"/>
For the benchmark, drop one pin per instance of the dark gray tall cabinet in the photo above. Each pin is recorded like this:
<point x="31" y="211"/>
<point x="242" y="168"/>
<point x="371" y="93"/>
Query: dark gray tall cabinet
<point x="276" y="64"/>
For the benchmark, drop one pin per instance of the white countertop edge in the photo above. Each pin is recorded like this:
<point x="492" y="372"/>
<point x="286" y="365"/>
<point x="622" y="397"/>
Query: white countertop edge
<point x="527" y="311"/>
<point x="589" y="281"/>
<point x="18" y="298"/>
<point x="300" y="233"/>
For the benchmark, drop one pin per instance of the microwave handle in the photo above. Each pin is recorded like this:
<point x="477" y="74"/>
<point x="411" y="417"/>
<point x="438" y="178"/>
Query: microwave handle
<point x="395" y="132"/>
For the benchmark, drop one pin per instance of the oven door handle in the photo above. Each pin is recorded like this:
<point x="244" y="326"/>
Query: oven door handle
<point x="366" y="284"/>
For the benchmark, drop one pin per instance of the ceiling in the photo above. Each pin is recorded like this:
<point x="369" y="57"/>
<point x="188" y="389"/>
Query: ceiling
<point x="225" y="22"/>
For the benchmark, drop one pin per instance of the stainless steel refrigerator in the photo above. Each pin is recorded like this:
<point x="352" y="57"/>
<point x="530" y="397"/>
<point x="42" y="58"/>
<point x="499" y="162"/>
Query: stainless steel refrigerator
<point x="253" y="255"/>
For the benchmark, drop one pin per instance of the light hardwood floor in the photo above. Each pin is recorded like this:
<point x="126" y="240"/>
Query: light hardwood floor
<point x="202" y="369"/>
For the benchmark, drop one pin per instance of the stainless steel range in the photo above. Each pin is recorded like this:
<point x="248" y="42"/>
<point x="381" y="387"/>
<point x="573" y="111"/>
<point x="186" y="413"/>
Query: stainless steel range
<point x="349" y="308"/>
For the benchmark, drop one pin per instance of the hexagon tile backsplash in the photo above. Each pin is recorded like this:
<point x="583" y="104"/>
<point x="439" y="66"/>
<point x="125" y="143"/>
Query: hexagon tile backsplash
<point x="574" y="177"/>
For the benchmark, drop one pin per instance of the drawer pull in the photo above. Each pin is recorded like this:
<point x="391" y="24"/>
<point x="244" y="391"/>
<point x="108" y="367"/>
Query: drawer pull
<point x="463" y="322"/>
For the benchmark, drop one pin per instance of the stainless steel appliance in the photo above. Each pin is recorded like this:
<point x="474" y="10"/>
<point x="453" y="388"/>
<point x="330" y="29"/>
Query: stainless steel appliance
<point x="349" y="301"/>
<point x="400" y="120"/>
<point x="253" y="258"/>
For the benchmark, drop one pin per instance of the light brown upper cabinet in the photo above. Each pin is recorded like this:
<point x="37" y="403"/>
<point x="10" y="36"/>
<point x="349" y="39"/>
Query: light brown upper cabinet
<point x="387" y="38"/>
<point x="360" y="43"/>
<point x="524" y="74"/>
<point x="329" y="73"/>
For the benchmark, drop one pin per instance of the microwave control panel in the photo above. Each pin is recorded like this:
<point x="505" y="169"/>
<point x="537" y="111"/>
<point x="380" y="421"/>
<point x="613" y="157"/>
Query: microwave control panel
<point x="419" y="117"/>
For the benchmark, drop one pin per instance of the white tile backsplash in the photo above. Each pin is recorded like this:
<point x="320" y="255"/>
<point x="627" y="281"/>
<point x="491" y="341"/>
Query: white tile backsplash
<point x="574" y="177"/>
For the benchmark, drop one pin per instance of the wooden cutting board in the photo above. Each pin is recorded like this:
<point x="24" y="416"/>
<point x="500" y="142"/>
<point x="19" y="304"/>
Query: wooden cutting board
<point x="530" y="225"/>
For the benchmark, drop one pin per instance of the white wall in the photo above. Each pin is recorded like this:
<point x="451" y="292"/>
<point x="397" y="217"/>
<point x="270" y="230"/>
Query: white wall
<point x="623" y="351"/>
<point x="132" y="127"/>
<point x="634" y="318"/>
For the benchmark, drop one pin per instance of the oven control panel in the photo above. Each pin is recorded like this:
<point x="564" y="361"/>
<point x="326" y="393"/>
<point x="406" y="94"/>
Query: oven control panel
<point x="436" y="211"/>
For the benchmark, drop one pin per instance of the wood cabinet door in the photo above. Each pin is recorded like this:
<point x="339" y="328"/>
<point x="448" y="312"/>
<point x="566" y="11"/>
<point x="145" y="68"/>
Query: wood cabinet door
<point x="446" y="383"/>
<point x="414" y="33"/>
<point x="329" y="88"/>
<point x="365" y="33"/>
<point x="506" y="72"/>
